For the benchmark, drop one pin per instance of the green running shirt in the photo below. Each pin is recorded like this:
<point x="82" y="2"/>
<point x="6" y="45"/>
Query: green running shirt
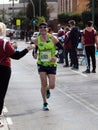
<point x="46" y="51"/>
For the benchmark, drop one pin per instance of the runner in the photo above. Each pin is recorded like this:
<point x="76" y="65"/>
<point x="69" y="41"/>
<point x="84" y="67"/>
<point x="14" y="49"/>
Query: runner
<point x="47" y="64"/>
<point x="89" y="39"/>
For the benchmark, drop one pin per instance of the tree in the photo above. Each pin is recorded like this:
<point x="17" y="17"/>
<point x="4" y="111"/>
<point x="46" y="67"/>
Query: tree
<point x="22" y="1"/>
<point x="39" y="20"/>
<point x="13" y="0"/>
<point x="3" y="12"/>
<point x="86" y="16"/>
<point x="36" y="4"/>
<point x="43" y="7"/>
<point x="63" y="18"/>
<point x="29" y="11"/>
<point x="95" y="5"/>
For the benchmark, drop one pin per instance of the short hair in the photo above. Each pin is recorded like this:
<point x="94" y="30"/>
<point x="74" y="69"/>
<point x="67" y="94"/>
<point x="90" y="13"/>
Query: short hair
<point x="89" y="23"/>
<point x="67" y="28"/>
<point x="72" y="22"/>
<point x="2" y="29"/>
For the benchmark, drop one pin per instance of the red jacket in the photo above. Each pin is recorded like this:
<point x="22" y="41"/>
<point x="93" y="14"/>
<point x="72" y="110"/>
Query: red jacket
<point x="67" y="44"/>
<point x="89" y="37"/>
<point x="5" y="53"/>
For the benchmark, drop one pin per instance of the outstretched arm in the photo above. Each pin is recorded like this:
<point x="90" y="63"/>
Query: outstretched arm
<point x="19" y="54"/>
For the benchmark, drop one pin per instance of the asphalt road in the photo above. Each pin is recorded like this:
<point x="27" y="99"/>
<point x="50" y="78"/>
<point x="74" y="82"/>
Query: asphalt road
<point x="73" y="103"/>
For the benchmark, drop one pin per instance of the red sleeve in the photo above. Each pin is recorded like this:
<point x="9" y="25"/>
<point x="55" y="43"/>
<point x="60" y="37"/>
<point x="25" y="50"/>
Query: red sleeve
<point x="9" y="50"/>
<point x="83" y="33"/>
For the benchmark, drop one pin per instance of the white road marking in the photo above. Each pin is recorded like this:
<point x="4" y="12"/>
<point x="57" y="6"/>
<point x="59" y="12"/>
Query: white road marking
<point x="82" y="102"/>
<point x="79" y="72"/>
<point x="5" y="110"/>
<point x="9" y="121"/>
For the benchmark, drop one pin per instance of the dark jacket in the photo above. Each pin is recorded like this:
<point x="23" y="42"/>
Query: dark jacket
<point x="74" y="36"/>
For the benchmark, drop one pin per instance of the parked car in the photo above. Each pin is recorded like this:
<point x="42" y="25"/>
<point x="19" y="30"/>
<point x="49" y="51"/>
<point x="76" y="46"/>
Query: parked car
<point x="9" y="32"/>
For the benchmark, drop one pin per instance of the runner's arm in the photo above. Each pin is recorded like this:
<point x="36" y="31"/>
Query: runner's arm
<point x="57" y="43"/>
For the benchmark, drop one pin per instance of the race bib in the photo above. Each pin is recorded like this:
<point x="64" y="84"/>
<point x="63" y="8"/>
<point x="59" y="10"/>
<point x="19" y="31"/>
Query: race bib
<point x="45" y="56"/>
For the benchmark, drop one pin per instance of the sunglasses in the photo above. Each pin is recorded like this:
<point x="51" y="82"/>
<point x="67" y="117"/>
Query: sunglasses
<point x="42" y="27"/>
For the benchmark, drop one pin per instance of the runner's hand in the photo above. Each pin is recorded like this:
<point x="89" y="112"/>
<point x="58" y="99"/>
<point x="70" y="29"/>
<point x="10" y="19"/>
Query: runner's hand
<point x="53" y="59"/>
<point x="35" y="56"/>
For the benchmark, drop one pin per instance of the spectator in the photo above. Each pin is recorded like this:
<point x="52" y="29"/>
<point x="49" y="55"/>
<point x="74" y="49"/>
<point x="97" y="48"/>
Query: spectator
<point x="6" y="52"/>
<point x="60" y="35"/>
<point x="67" y="48"/>
<point x="74" y="38"/>
<point x="50" y="29"/>
<point x="89" y="38"/>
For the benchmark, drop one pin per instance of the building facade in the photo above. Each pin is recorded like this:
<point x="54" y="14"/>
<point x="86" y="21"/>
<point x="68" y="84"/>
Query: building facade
<point x="53" y="7"/>
<point x="72" y="5"/>
<point x="9" y="8"/>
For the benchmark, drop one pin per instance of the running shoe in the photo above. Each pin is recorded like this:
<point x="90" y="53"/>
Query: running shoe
<point x="45" y="106"/>
<point x="48" y="93"/>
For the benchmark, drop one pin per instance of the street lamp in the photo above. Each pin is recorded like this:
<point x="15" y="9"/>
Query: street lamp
<point x="3" y="12"/>
<point x="13" y="8"/>
<point x="33" y="12"/>
<point x="39" y="7"/>
<point x="93" y="13"/>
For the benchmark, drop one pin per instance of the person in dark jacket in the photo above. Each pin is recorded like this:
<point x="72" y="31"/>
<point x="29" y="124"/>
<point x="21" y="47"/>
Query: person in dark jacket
<point x="74" y="38"/>
<point x="6" y="53"/>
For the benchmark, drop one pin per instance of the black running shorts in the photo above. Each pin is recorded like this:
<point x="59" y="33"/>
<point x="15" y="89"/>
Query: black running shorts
<point x="47" y="69"/>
